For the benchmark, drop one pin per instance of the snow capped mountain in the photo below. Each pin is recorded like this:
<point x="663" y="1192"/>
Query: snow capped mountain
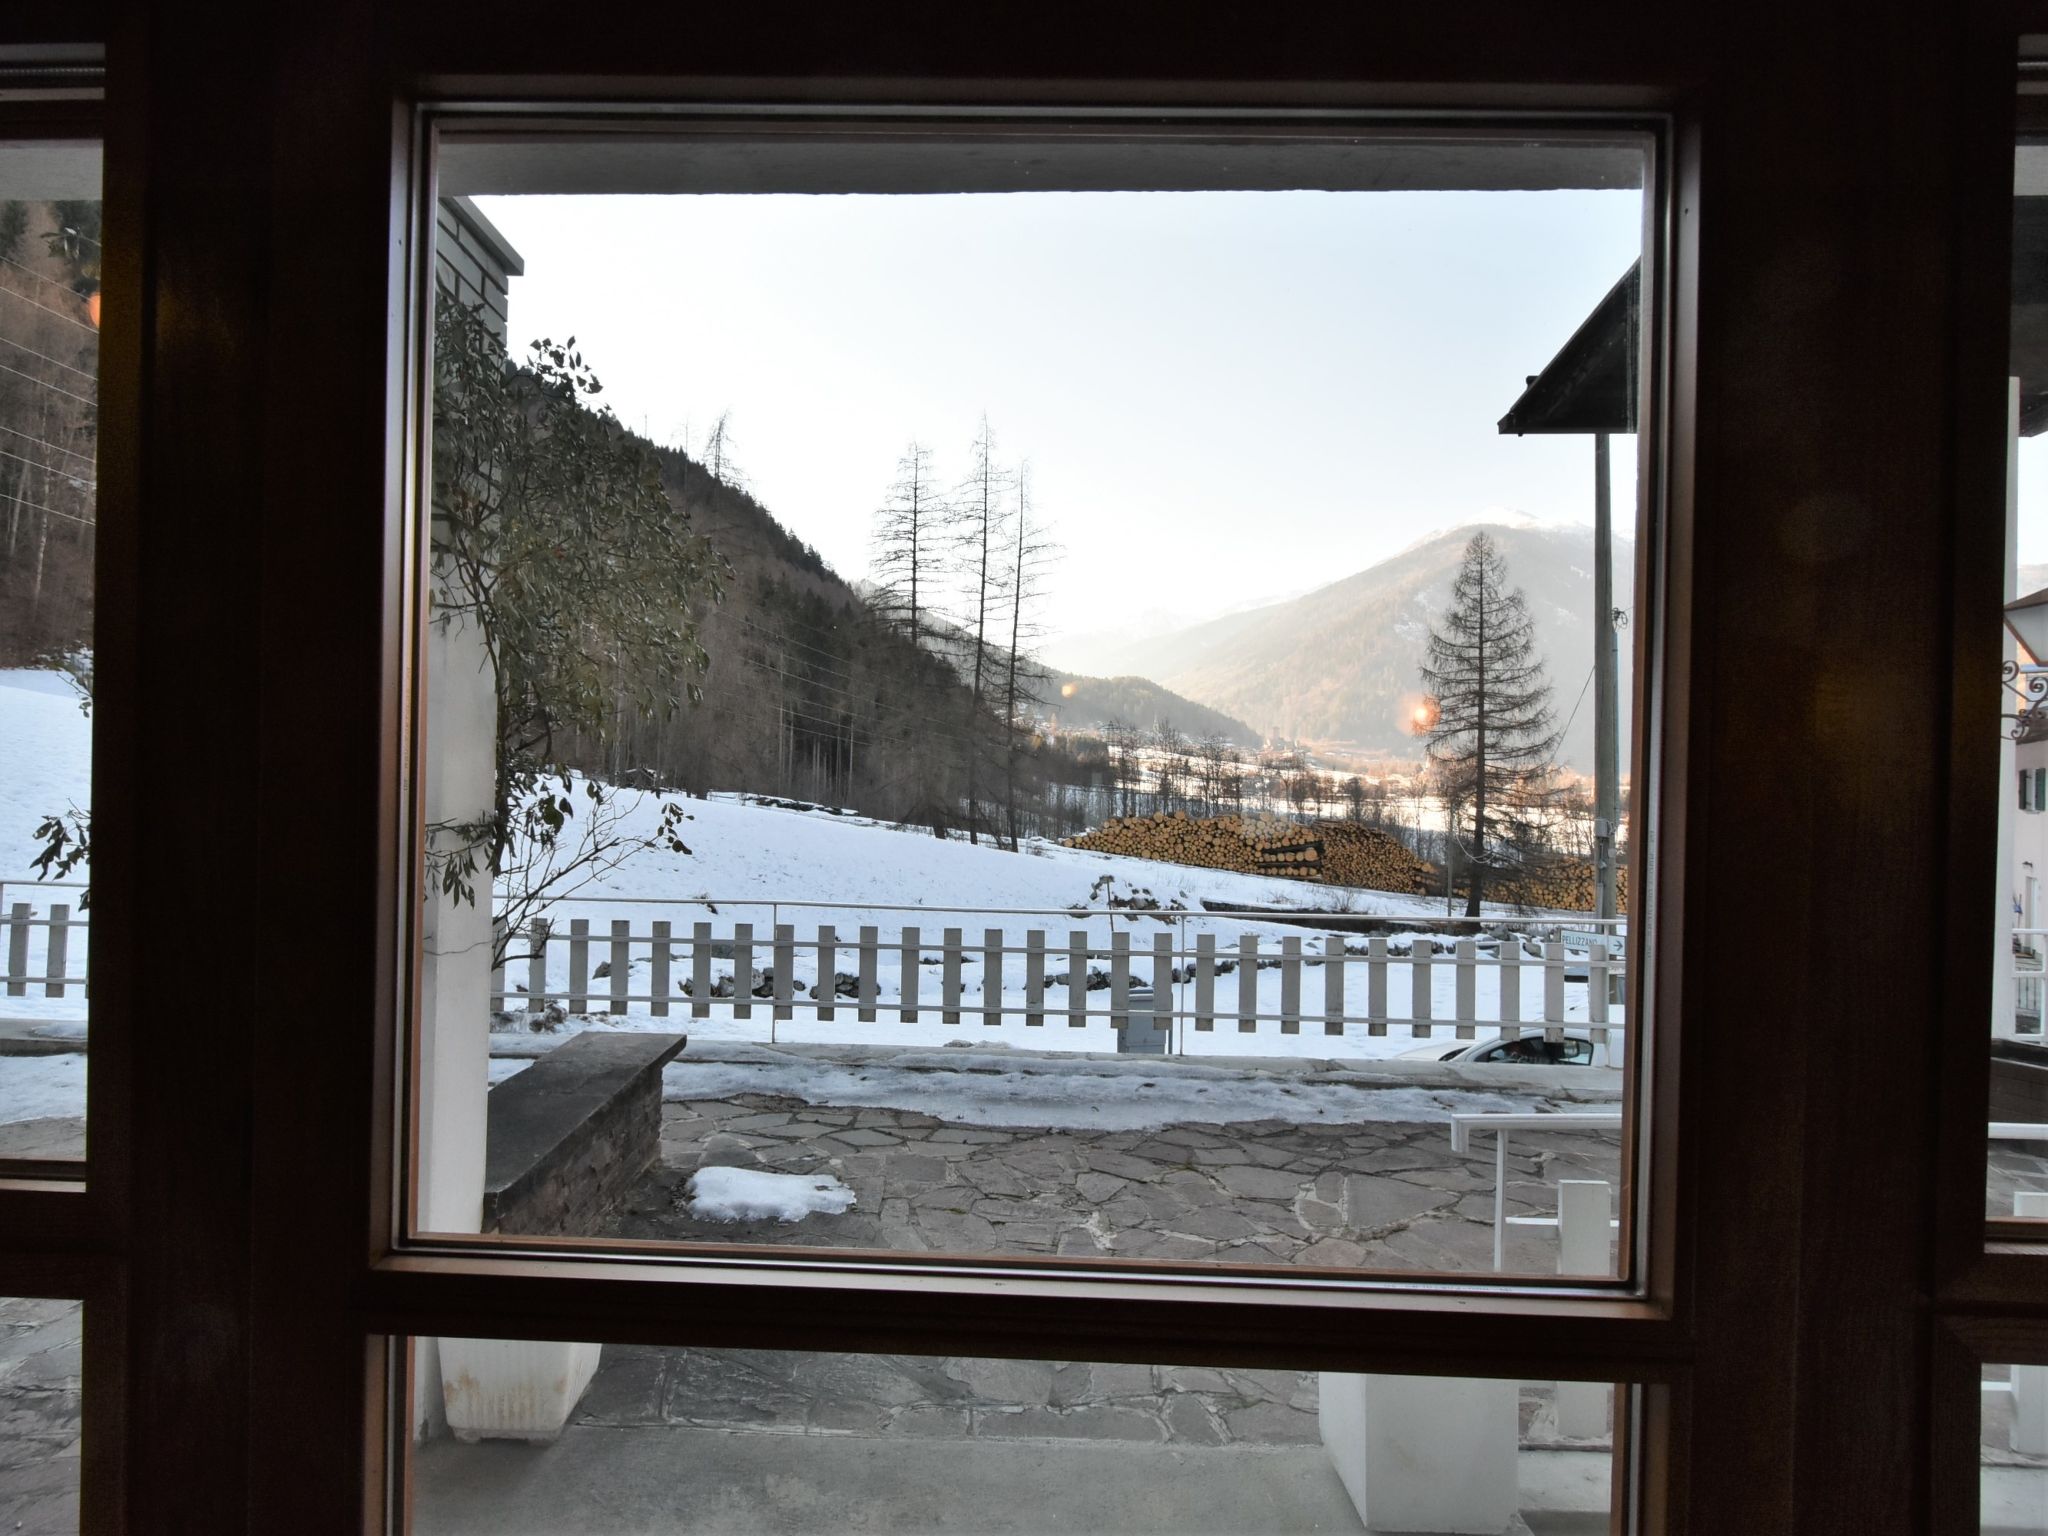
<point x="1334" y="664"/>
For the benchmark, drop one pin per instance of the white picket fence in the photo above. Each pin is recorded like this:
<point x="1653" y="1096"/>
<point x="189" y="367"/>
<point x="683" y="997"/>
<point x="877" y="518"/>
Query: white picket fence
<point x="1158" y="975"/>
<point x="43" y="944"/>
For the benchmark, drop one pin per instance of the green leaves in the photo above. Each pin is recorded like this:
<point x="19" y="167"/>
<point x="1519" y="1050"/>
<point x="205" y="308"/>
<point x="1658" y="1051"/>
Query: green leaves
<point x="554" y="538"/>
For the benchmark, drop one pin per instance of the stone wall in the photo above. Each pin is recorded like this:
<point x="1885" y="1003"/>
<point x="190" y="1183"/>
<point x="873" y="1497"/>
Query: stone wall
<point x="472" y="261"/>
<point x="571" y="1134"/>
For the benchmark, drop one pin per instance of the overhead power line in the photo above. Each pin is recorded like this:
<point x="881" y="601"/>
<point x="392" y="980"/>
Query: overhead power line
<point x="15" y="293"/>
<point x="46" y="384"/>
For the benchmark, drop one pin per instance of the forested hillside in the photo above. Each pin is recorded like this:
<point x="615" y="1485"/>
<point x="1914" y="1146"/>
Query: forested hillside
<point x="1090" y="703"/>
<point x="810" y="694"/>
<point x="49" y="394"/>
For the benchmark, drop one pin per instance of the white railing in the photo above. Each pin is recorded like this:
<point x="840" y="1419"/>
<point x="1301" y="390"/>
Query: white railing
<point x="1160" y="970"/>
<point x="42" y="947"/>
<point x="2030" y="981"/>
<point x="1502" y="1125"/>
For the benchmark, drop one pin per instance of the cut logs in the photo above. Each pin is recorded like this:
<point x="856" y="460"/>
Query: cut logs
<point x="1332" y="852"/>
<point x="1339" y="852"/>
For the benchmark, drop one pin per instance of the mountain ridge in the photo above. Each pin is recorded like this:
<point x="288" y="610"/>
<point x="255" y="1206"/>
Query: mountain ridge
<point x="1338" y="666"/>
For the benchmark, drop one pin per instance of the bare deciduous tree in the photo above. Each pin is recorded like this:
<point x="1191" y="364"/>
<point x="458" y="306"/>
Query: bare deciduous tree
<point x="1029" y="558"/>
<point x="982" y="510"/>
<point x="911" y="529"/>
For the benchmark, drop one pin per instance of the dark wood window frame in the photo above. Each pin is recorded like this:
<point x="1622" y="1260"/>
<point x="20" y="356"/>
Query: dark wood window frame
<point x="1813" y="1361"/>
<point x="791" y="141"/>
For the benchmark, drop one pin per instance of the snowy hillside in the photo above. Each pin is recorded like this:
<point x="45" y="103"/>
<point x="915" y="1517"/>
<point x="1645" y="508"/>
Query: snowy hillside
<point x="45" y="759"/>
<point x="762" y="865"/>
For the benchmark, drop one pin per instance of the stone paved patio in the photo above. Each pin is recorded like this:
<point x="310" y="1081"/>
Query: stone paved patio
<point x="898" y="1395"/>
<point x="39" y="1423"/>
<point x="1374" y="1195"/>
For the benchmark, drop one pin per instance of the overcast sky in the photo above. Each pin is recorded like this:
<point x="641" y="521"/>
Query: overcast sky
<point x="1224" y="397"/>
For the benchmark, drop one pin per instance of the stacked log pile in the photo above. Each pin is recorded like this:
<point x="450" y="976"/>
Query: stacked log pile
<point x="1342" y="853"/>
<point x="1354" y="854"/>
<point x="1566" y="886"/>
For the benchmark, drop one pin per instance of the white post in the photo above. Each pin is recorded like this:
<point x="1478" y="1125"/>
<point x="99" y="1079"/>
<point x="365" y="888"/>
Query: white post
<point x="1467" y="952"/>
<point x="579" y="965"/>
<point x="2030" y="1382"/>
<point x="1205" y="982"/>
<point x="783" y="984"/>
<point x="1290" y="985"/>
<point x="828" y="971"/>
<point x="55" y="954"/>
<point x="1553" y="991"/>
<point x="657" y="971"/>
<point x="949" y="977"/>
<point x="621" y="963"/>
<point x="1247" y="983"/>
<point x="700" y="970"/>
<point x="1162" y="983"/>
<point x="742" y="970"/>
<point x="2004" y="986"/>
<point x="1119" y="981"/>
<point x="1333" y="984"/>
<point x="1376" y="985"/>
<point x="1421" y="994"/>
<point x="1596" y="991"/>
<point x="537" y="965"/>
<point x="458" y="705"/>
<point x="17" y="951"/>
<point x="1034" y="979"/>
<point x="870" y="945"/>
<point x="991" y="977"/>
<point x="1583" y="1248"/>
<point x="1077" y="980"/>
<point x="1424" y="1453"/>
<point x="910" y="976"/>
<point x="1510" y="986"/>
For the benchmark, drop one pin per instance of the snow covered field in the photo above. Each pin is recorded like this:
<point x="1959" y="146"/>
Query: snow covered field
<point x="763" y="865"/>
<point x="766" y="864"/>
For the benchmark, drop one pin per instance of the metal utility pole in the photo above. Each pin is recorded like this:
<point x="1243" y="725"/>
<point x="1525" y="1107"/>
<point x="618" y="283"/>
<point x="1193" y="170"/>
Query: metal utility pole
<point x="1606" y="721"/>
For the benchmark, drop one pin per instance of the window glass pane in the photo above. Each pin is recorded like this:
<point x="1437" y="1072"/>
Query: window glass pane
<point x="1007" y="684"/>
<point x="49" y="444"/>
<point x="39" y="1416"/>
<point x="2013" y="1493"/>
<point x="635" y="1439"/>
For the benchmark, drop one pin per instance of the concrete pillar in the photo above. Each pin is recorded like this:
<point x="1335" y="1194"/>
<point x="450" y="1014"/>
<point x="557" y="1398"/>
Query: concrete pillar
<point x="461" y="786"/>
<point x="1424" y="1453"/>
<point x="459" y="701"/>
<point x="1585" y="1247"/>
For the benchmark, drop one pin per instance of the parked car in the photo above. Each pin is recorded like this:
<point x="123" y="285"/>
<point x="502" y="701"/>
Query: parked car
<point x="1576" y="1049"/>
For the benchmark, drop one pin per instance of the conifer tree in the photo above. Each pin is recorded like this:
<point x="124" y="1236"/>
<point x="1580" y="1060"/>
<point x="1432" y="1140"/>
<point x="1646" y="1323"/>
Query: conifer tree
<point x="1493" y="729"/>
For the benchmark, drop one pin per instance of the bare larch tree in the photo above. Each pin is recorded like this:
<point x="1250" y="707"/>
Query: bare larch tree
<point x="1029" y="557"/>
<point x="982" y="513"/>
<point x="911" y="529"/>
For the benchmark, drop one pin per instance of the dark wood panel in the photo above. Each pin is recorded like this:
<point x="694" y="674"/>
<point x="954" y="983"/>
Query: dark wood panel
<point x="1819" y="717"/>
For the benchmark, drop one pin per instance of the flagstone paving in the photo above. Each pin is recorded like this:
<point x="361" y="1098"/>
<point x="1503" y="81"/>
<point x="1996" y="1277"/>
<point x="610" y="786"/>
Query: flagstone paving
<point x="1375" y="1195"/>
<point x="39" y="1424"/>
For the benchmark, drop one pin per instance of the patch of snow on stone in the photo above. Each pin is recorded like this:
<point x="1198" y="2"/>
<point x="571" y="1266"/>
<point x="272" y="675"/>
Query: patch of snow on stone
<point x="41" y="1088"/>
<point x="748" y="1194"/>
<point x="965" y="1088"/>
